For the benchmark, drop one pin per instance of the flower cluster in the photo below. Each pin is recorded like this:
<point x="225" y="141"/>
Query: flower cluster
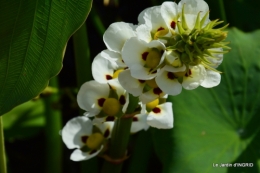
<point x="174" y="46"/>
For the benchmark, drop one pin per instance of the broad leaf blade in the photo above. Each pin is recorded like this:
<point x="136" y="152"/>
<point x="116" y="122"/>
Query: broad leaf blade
<point x="33" y="38"/>
<point x="218" y="125"/>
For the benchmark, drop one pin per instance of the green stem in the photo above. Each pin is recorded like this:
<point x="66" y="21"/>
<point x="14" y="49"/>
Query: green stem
<point x="118" y="144"/>
<point x="96" y="20"/>
<point x="119" y="139"/>
<point x="82" y="55"/>
<point x="53" y="126"/>
<point x="2" y="149"/>
<point x="222" y="11"/>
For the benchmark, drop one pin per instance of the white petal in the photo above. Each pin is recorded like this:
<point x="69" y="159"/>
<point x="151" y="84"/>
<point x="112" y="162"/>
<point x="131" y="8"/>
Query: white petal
<point x="212" y="79"/>
<point x="130" y="84"/>
<point x="198" y="75"/>
<point x="89" y="94"/>
<point x="193" y="7"/>
<point x="162" y="119"/>
<point x="126" y="103"/>
<point x="152" y="18"/>
<point x="113" y="56"/>
<point x="116" y="35"/>
<point x="151" y="95"/>
<point x="169" y="12"/>
<point x="140" y="123"/>
<point x="89" y="114"/>
<point x="168" y="83"/>
<point x="174" y="69"/>
<point x="78" y="155"/>
<point x="218" y="58"/>
<point x="138" y="71"/>
<point x="171" y="56"/>
<point x="133" y="50"/>
<point x="105" y="127"/>
<point x="144" y="33"/>
<point x="74" y="130"/>
<point x="102" y="69"/>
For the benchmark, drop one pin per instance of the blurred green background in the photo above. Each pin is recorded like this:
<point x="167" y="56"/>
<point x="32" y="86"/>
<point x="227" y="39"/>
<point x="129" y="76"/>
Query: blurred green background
<point x="212" y="126"/>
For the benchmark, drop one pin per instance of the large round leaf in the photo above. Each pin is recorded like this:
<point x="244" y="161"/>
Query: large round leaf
<point x="218" y="125"/>
<point x="33" y="35"/>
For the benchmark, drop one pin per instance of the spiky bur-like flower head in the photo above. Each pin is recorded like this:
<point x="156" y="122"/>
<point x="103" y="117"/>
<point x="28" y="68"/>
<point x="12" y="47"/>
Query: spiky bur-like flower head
<point x="200" y="44"/>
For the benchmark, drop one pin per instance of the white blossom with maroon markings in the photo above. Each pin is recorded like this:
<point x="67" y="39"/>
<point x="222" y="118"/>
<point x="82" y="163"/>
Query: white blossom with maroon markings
<point x="105" y="68"/>
<point x="160" y="116"/>
<point x="152" y="18"/>
<point x="171" y="12"/>
<point x="143" y="58"/>
<point x="116" y="35"/>
<point x="78" y="133"/>
<point x="168" y="78"/>
<point x="93" y="96"/>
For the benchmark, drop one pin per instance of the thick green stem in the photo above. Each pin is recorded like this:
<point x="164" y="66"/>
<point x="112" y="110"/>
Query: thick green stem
<point x="53" y="125"/>
<point x="119" y="139"/>
<point x="2" y="149"/>
<point x="118" y="145"/>
<point x="222" y="11"/>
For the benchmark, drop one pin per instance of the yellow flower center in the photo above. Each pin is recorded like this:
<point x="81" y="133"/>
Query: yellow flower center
<point x="160" y="33"/>
<point x="153" y="58"/>
<point x="111" y="106"/>
<point x="152" y="104"/>
<point x="117" y="72"/>
<point x="94" y="141"/>
<point x="152" y="83"/>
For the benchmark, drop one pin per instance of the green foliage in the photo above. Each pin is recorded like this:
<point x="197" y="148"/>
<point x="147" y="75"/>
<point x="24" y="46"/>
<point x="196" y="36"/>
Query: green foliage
<point x="33" y="39"/>
<point x="25" y="120"/>
<point x="218" y="125"/>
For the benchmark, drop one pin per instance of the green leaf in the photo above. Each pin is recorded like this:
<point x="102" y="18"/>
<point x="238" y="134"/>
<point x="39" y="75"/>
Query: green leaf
<point x="25" y="120"/>
<point x="33" y="40"/>
<point x="218" y="125"/>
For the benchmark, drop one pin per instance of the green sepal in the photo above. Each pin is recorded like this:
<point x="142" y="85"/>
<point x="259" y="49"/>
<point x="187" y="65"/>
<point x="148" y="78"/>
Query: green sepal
<point x="204" y="19"/>
<point x="183" y="19"/>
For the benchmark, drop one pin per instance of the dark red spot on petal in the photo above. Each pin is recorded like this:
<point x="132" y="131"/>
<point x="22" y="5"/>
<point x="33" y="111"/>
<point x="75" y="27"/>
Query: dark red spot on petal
<point x="110" y="118"/>
<point x="108" y="77"/>
<point x="144" y="55"/>
<point x="162" y="51"/>
<point x="122" y="100"/>
<point x="107" y="132"/>
<point x="84" y="139"/>
<point x="156" y="110"/>
<point x="157" y="91"/>
<point x="173" y="25"/>
<point x="92" y="151"/>
<point x="141" y="81"/>
<point x="135" y="119"/>
<point x="188" y="73"/>
<point x="159" y="29"/>
<point x="101" y="102"/>
<point x="170" y="75"/>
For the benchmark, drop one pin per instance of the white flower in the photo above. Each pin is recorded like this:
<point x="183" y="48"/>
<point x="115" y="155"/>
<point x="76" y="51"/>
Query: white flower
<point x="116" y="35"/>
<point x="105" y="68"/>
<point x="94" y="97"/>
<point x="152" y="18"/>
<point x="159" y="115"/>
<point x="78" y="133"/>
<point x="169" y="77"/>
<point x="143" y="58"/>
